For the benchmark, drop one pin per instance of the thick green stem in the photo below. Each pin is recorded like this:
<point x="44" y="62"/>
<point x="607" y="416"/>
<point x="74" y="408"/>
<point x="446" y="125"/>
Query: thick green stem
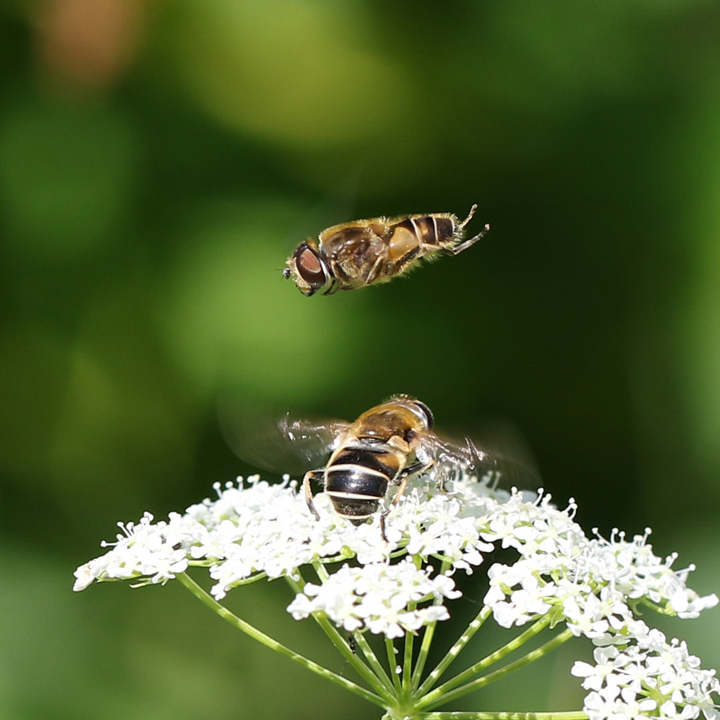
<point x="273" y="644"/>
<point x="440" y="695"/>
<point x="454" y="651"/>
<point x="572" y="715"/>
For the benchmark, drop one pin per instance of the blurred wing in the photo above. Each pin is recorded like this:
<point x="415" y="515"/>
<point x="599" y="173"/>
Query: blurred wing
<point x="287" y="445"/>
<point x="312" y="440"/>
<point x="503" y="458"/>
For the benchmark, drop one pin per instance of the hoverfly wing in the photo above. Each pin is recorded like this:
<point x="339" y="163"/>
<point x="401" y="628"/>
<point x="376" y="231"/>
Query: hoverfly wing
<point x="503" y="458"/>
<point x="506" y="453"/>
<point x="287" y="445"/>
<point x="312" y="440"/>
<point x="450" y="459"/>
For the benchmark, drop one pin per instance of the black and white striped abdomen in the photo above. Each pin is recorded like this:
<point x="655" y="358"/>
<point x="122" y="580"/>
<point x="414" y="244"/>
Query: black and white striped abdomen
<point x="357" y="480"/>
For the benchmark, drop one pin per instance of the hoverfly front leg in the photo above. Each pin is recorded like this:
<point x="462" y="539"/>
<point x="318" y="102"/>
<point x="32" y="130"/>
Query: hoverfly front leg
<point x="405" y="475"/>
<point x="372" y="276"/>
<point x="309" y="477"/>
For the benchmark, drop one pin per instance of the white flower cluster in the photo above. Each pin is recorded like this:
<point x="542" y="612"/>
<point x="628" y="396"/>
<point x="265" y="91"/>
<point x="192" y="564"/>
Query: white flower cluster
<point x="592" y="584"/>
<point x="254" y="529"/>
<point x="156" y="552"/>
<point x="650" y="677"/>
<point x="591" y="581"/>
<point x="258" y="528"/>
<point x="377" y="597"/>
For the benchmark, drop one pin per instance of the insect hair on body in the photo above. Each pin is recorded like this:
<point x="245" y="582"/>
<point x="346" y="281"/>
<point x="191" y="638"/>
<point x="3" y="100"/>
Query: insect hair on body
<point x="369" y="252"/>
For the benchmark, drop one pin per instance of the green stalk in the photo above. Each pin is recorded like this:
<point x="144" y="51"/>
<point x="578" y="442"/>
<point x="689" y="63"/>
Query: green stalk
<point x="424" y="650"/>
<point x="491" y="659"/>
<point x="428" y="635"/>
<point x="571" y="715"/>
<point x="392" y="664"/>
<point x="362" y="643"/>
<point x="439" y="695"/>
<point x="454" y="651"/>
<point x="372" y="659"/>
<point x="273" y="644"/>
<point x="382" y="686"/>
<point x="407" y="659"/>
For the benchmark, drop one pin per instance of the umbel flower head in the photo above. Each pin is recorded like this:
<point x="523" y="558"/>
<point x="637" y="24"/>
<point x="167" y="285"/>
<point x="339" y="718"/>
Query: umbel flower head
<point x="398" y="585"/>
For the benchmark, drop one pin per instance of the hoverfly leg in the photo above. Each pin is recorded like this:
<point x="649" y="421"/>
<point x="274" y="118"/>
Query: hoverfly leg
<point x="401" y="489"/>
<point x="334" y="287"/>
<point x="405" y="475"/>
<point x="309" y="477"/>
<point x="374" y="270"/>
<point x="416" y="469"/>
<point x="466" y="243"/>
<point x="404" y="261"/>
<point x="468" y="218"/>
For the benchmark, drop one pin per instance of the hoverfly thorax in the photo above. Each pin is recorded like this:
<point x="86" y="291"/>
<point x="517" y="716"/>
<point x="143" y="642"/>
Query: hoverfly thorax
<point x="307" y="269"/>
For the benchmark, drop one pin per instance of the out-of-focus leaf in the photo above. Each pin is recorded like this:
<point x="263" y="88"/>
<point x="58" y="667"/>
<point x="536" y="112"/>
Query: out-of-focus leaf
<point x="66" y="176"/>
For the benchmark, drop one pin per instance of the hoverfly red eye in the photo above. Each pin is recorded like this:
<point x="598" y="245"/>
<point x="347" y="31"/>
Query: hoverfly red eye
<point x="309" y="261"/>
<point x="310" y="267"/>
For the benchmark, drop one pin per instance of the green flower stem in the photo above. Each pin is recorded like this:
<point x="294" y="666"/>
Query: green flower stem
<point x="377" y="683"/>
<point x="381" y="684"/>
<point x="423" y="654"/>
<point x="362" y="643"/>
<point x="428" y="635"/>
<point x="392" y="664"/>
<point x="505" y="716"/>
<point x="378" y="669"/>
<point x="439" y="695"/>
<point x="372" y="659"/>
<point x="256" y="634"/>
<point x="454" y="651"/>
<point x="408" y="656"/>
<point x="663" y="610"/>
<point x="491" y="659"/>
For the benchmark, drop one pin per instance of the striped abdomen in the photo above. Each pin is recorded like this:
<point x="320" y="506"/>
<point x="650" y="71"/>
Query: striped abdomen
<point x="429" y="230"/>
<point x="357" y="480"/>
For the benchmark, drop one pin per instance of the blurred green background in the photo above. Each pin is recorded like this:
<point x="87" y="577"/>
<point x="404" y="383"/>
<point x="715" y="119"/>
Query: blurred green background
<point x="159" y="161"/>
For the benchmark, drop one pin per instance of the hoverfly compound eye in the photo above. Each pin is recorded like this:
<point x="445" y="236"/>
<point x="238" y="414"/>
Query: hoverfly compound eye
<point x="429" y="417"/>
<point x="310" y="267"/>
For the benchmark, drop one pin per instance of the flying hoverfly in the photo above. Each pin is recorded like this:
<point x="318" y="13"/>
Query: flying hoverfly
<point x="385" y="446"/>
<point x="368" y="252"/>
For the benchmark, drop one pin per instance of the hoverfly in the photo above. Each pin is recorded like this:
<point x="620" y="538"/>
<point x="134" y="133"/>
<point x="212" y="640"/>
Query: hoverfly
<point x="385" y="446"/>
<point x="368" y="252"/>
